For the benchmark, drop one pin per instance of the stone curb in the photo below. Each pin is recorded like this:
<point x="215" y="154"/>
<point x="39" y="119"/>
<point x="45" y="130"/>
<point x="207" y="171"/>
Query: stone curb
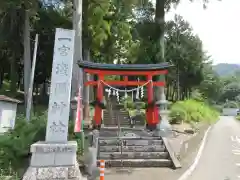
<point x="176" y="162"/>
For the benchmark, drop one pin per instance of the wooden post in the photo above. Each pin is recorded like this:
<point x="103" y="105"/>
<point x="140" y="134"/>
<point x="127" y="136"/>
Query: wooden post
<point x="98" y="109"/>
<point x="150" y="89"/>
<point x="149" y="110"/>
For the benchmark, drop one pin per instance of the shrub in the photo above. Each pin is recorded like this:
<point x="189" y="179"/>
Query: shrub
<point x="142" y="105"/>
<point x="218" y="108"/>
<point x="238" y="117"/>
<point x="231" y="104"/>
<point x="15" y="144"/>
<point x="192" y="111"/>
<point x="129" y="105"/>
<point x="196" y="95"/>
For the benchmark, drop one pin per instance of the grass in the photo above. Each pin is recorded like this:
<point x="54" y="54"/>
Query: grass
<point x="133" y="112"/>
<point x="5" y="86"/>
<point x="8" y="175"/>
<point x="238" y="117"/>
<point x="15" y="145"/>
<point x="38" y="112"/>
<point x="193" y="111"/>
<point x="5" y="90"/>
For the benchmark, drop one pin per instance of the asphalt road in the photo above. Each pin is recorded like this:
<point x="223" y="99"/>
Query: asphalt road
<point x="220" y="159"/>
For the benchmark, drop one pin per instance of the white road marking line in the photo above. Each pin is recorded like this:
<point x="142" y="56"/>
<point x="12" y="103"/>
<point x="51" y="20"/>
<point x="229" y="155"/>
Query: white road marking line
<point x="233" y="138"/>
<point x="236" y="147"/>
<point x="236" y="150"/>
<point x="189" y="171"/>
<point x="238" y="139"/>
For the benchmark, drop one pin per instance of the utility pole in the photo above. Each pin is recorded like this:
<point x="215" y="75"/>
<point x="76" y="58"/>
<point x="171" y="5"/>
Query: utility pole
<point x="164" y="127"/>
<point x="30" y="89"/>
<point x="178" y="83"/>
<point x="178" y="70"/>
<point x="77" y="77"/>
<point x="160" y="23"/>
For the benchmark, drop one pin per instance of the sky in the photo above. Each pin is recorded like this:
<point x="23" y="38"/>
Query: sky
<point x="218" y="26"/>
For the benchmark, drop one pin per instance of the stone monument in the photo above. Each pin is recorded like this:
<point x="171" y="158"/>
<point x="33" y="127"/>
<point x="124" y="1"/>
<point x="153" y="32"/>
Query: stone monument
<point x="55" y="158"/>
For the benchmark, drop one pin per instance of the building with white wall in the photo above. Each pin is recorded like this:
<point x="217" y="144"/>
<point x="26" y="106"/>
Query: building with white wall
<point x="8" y="110"/>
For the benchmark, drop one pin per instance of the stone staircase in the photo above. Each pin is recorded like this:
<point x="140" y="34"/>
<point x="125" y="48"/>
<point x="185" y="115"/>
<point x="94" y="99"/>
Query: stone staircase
<point x="122" y="115"/>
<point x="133" y="151"/>
<point x="124" y="119"/>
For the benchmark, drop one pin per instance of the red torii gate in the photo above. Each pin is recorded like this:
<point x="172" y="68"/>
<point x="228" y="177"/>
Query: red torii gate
<point x="125" y="70"/>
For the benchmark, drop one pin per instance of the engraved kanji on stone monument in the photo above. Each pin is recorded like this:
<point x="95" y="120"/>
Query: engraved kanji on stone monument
<point x="62" y="69"/>
<point x="59" y="101"/>
<point x="61" y="87"/>
<point x="64" y="50"/>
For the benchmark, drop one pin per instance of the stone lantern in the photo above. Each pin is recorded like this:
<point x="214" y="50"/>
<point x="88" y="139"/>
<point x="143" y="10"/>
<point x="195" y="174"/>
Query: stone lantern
<point x="164" y="127"/>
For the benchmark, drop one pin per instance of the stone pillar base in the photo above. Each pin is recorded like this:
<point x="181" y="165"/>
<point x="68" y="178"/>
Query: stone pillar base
<point x="53" y="161"/>
<point x="53" y="173"/>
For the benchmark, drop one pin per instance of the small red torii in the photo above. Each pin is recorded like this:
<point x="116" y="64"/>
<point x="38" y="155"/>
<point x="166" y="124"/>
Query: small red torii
<point x="125" y="70"/>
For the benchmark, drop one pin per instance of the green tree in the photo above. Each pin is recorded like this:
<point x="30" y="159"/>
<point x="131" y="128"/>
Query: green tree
<point x="211" y="86"/>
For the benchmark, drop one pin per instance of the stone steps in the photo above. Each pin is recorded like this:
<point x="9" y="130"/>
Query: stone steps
<point x="130" y="142"/>
<point x="130" y="151"/>
<point x="147" y="163"/>
<point x="113" y="132"/>
<point x="134" y="155"/>
<point x="122" y="115"/>
<point x="149" y="148"/>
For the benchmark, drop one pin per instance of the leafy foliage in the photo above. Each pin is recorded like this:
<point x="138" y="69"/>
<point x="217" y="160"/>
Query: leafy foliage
<point x="113" y="32"/>
<point x="14" y="145"/>
<point x="238" y="117"/>
<point x="116" y="31"/>
<point x="192" y="111"/>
